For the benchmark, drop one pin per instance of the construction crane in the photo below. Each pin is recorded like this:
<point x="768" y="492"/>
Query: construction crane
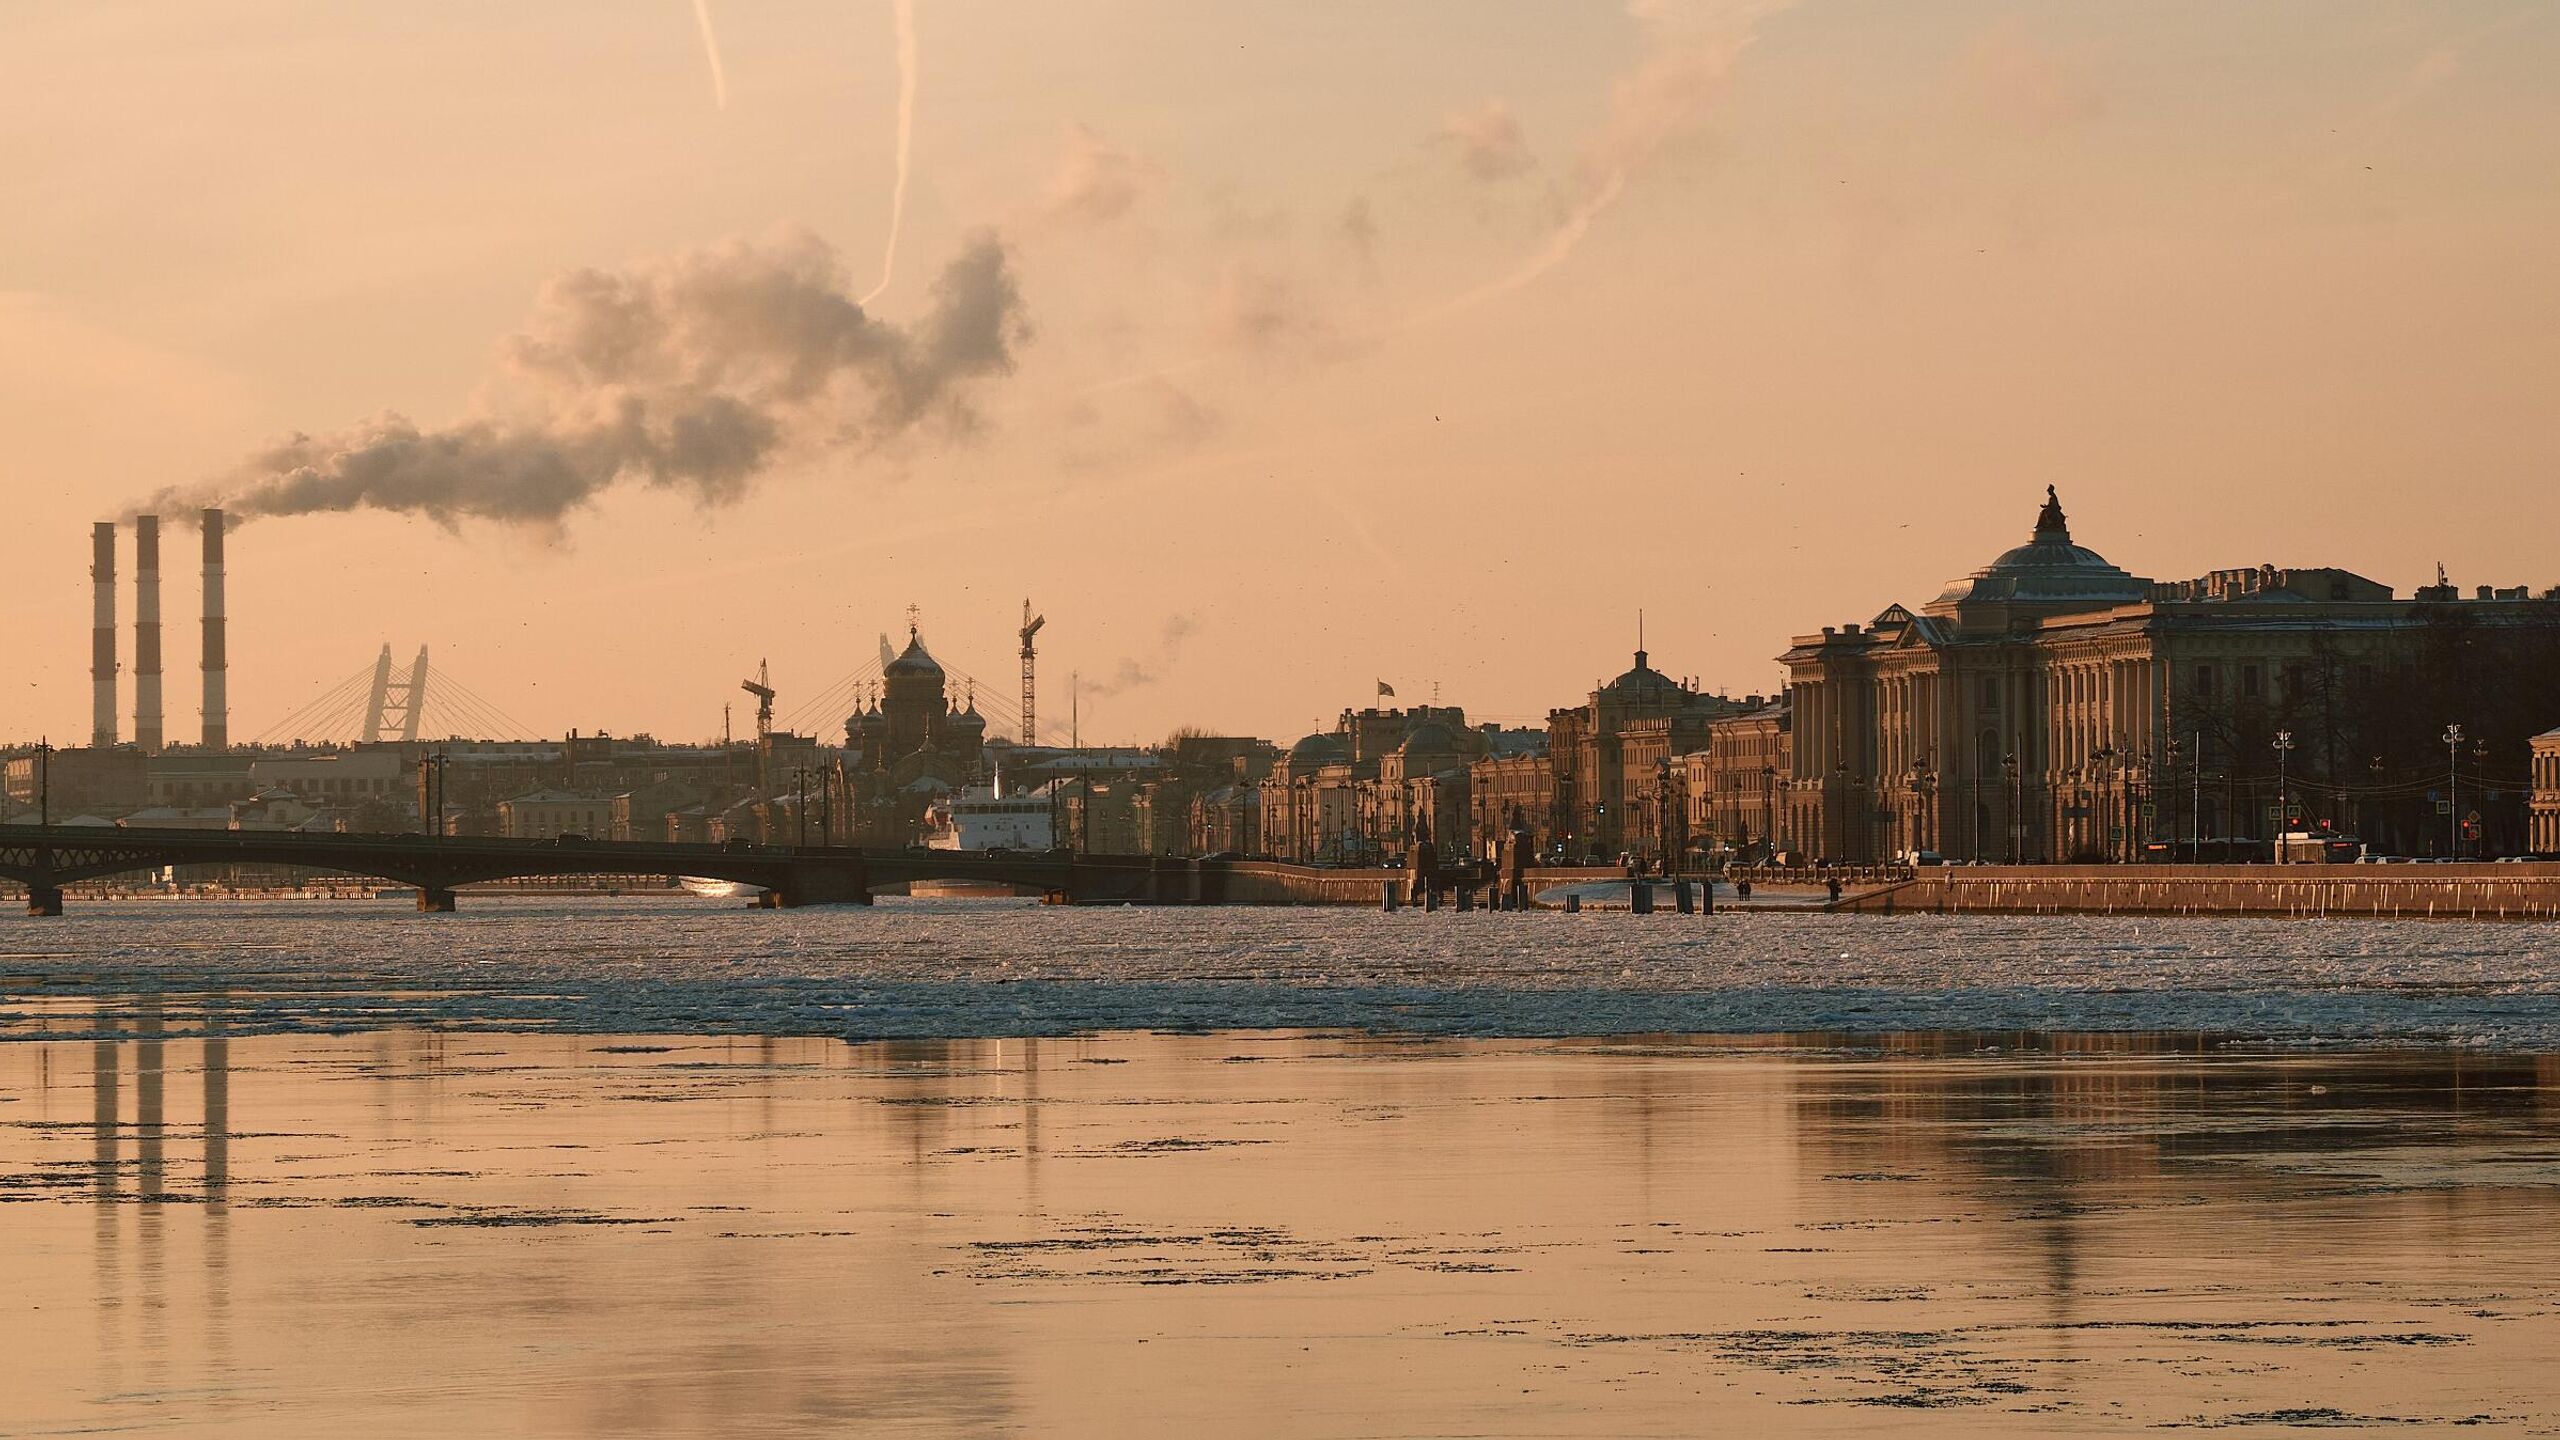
<point x="1030" y="626"/>
<point x="761" y="687"/>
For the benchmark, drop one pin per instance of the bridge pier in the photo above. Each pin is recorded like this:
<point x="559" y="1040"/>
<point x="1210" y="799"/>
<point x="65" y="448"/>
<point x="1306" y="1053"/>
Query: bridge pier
<point x="435" y="900"/>
<point x="44" y="900"/>
<point x="843" y="881"/>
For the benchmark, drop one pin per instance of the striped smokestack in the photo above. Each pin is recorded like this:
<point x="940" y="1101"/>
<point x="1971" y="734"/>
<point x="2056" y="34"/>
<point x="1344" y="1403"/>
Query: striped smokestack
<point x="217" y="674"/>
<point x="102" y="636"/>
<point x="147" y="726"/>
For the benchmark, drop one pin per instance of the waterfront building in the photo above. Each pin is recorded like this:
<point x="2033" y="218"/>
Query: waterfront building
<point x="68" y="783"/>
<point x="1737" y="791"/>
<point x="1367" y="788"/>
<point x="1512" y="789"/>
<point x="550" y="814"/>
<point x="1611" y="757"/>
<point x="2054" y="706"/>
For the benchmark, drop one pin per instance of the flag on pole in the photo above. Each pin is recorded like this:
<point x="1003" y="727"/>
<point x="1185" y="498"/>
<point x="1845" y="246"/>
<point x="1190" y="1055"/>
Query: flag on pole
<point x="1386" y="690"/>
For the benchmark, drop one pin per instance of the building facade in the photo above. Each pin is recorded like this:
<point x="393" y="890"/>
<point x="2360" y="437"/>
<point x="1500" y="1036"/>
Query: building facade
<point x="2052" y="706"/>
<point x="1611" y="760"/>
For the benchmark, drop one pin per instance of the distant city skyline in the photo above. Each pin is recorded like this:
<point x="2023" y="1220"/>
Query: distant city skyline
<point x="1269" y="354"/>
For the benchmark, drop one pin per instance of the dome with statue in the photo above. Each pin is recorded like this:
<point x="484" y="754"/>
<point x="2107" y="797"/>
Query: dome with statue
<point x="2048" y="574"/>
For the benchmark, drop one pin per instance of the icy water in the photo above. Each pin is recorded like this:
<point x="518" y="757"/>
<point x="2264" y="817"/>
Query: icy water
<point x="667" y="1168"/>
<point x="939" y="970"/>
<point x="414" y="1233"/>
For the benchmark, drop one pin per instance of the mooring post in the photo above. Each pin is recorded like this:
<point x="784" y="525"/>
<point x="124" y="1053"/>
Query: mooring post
<point x="1387" y="896"/>
<point x="1707" y="896"/>
<point x="1572" y="904"/>
<point x="1682" y="899"/>
<point x="1466" y="898"/>
<point x="1640" y="899"/>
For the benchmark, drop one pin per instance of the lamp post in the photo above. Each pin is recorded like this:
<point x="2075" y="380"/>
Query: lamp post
<point x="2101" y="767"/>
<point x="44" y="784"/>
<point x="2453" y="792"/>
<point x="2017" y="829"/>
<point x="2195" y="801"/>
<point x="2170" y="758"/>
<point x="1769" y="812"/>
<point x="2284" y="807"/>
<point x="431" y="793"/>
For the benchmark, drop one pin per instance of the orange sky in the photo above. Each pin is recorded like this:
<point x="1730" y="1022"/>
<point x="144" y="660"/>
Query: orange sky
<point x="1423" y="342"/>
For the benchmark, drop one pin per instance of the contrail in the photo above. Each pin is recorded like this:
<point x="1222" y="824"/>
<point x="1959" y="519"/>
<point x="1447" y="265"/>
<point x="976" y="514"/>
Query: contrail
<point x="905" y="11"/>
<point x="711" y="52"/>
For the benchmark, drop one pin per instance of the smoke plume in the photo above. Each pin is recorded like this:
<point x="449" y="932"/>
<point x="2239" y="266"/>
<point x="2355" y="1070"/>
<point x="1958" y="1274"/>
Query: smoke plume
<point x="1666" y="98"/>
<point x="904" y="13"/>
<point x="692" y="374"/>
<point x="711" y="52"/>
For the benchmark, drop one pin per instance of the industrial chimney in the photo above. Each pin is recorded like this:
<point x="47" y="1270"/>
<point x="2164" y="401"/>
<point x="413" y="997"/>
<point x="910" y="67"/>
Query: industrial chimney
<point x="147" y="727"/>
<point x="217" y="700"/>
<point x="102" y="637"/>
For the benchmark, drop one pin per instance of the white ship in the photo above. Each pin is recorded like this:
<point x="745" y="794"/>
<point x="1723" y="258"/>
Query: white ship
<point x="983" y="817"/>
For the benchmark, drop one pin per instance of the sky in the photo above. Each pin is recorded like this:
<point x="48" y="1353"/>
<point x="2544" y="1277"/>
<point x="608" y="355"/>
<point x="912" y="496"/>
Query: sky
<point x="1270" y="351"/>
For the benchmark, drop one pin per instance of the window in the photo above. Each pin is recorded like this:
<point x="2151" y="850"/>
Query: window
<point x="2204" y="679"/>
<point x="1990" y="693"/>
<point x="2249" y="680"/>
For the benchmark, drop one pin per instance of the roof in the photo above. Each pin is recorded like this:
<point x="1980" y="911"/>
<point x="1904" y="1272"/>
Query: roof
<point x="1642" y="682"/>
<point x="1317" y="749"/>
<point x="2047" y="572"/>
<point x="914" y="660"/>
<point x="1429" y="737"/>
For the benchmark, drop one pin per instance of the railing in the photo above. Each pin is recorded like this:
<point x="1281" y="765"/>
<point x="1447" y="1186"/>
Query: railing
<point x="1821" y="874"/>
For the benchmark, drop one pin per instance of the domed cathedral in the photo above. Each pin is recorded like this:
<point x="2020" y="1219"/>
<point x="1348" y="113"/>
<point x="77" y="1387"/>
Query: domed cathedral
<point x="913" y="745"/>
<point x="2054" y="706"/>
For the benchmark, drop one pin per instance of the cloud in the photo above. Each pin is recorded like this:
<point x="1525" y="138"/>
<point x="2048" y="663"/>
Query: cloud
<point x="693" y="373"/>
<point x="1358" y="227"/>
<point x="1095" y="182"/>
<point x="1665" y="100"/>
<point x="1134" y="673"/>
<point x="1486" y="143"/>
<point x="1254" y="306"/>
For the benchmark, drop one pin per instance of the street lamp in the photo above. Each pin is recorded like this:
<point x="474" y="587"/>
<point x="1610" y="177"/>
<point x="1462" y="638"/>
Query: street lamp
<point x="2017" y="830"/>
<point x="2284" y="809"/>
<point x="44" y="784"/>
<point x="2101" y="762"/>
<point x="1769" y="811"/>
<point x="2171" y="757"/>
<point x="2453" y="791"/>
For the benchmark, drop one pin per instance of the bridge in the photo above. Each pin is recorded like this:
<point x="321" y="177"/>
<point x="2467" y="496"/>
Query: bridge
<point x="46" y="858"/>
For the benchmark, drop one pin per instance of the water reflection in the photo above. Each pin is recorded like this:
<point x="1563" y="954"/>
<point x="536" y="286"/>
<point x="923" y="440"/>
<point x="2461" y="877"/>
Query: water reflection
<point x="675" y="1235"/>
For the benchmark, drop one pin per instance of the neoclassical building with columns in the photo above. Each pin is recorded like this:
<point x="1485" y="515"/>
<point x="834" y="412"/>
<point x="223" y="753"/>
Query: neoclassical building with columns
<point x="2054" y="706"/>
